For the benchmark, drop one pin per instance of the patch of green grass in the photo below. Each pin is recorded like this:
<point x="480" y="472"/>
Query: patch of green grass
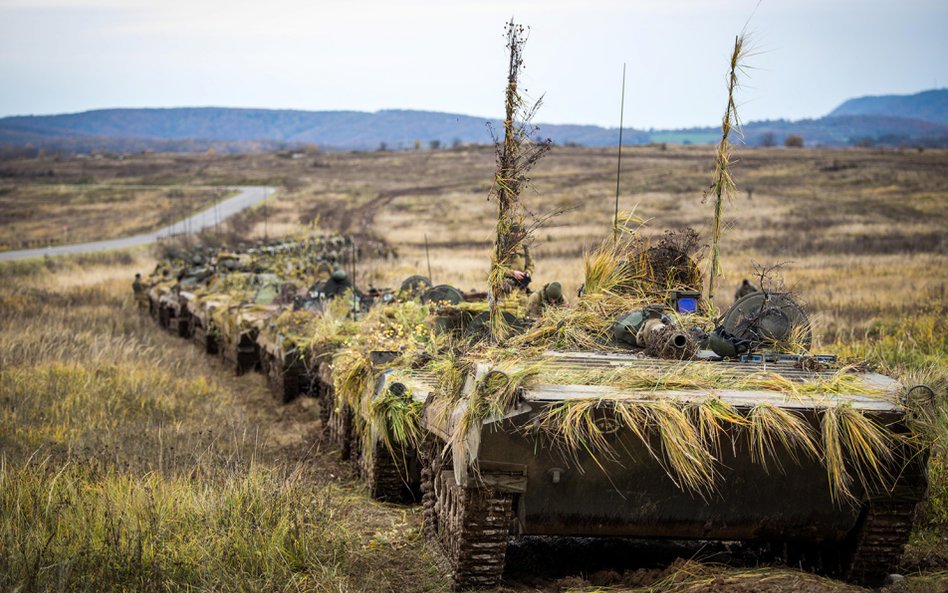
<point x="912" y="342"/>
<point x="685" y="137"/>
<point x="74" y="528"/>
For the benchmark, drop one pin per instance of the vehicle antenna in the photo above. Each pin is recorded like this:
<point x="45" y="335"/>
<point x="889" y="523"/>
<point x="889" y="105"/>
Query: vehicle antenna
<point x="428" y="257"/>
<point x="355" y="296"/>
<point x="615" y="219"/>
<point x="266" y="215"/>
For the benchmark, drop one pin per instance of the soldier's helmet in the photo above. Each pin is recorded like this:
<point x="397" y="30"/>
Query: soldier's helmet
<point x="138" y="274"/>
<point x="553" y="291"/>
<point x="339" y="275"/>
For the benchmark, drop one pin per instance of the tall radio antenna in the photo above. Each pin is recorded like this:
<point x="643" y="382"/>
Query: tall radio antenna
<point x="615" y="219"/>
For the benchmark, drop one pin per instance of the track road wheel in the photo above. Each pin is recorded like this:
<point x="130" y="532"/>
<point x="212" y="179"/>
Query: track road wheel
<point x="390" y="476"/>
<point x="323" y="394"/>
<point x="879" y="541"/>
<point x="472" y="525"/>
<point x="430" y="467"/>
<point x="340" y="427"/>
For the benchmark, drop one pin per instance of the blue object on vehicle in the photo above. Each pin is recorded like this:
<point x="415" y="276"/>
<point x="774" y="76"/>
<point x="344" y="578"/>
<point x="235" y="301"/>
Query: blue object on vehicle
<point x="687" y="305"/>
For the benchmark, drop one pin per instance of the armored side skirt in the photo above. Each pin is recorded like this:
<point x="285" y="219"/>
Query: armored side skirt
<point x="629" y="493"/>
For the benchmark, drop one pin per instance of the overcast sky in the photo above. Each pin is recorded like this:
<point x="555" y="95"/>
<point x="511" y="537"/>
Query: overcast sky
<point x="448" y="55"/>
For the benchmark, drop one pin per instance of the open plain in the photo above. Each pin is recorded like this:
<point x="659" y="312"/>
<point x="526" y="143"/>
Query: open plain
<point x="129" y="461"/>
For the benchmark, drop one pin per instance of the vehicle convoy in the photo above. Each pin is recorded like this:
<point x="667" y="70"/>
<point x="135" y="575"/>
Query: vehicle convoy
<point x="632" y="412"/>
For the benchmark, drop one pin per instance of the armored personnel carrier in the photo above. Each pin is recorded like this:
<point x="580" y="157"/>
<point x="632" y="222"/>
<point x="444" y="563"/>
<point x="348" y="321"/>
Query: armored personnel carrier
<point x="174" y="302"/>
<point x="300" y="337"/>
<point x="373" y="418"/>
<point x="644" y="425"/>
<point x="239" y="322"/>
<point x="614" y="444"/>
<point x="159" y="287"/>
<point x="283" y="358"/>
<point x="624" y="416"/>
<point x="208" y="306"/>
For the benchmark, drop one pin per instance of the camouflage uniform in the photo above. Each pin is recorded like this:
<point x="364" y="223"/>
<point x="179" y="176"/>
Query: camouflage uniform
<point x="337" y="285"/>
<point x="551" y="295"/>
<point x="744" y="289"/>
<point x="141" y="295"/>
<point x="519" y="260"/>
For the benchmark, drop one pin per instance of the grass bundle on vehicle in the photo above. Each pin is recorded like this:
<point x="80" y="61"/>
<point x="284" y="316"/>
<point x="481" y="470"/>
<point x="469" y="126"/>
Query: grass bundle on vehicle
<point x="494" y="392"/>
<point x="318" y="333"/>
<point x="856" y="444"/>
<point x="517" y="154"/>
<point x="395" y="417"/>
<point x="709" y="376"/>
<point x="398" y="328"/>
<point x="620" y="276"/>
<point x="685" y="439"/>
<point x="579" y="427"/>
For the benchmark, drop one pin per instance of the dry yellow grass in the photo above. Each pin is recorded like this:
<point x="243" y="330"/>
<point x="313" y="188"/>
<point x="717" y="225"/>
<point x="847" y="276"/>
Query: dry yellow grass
<point x="864" y="231"/>
<point x="131" y="462"/>
<point x="35" y="215"/>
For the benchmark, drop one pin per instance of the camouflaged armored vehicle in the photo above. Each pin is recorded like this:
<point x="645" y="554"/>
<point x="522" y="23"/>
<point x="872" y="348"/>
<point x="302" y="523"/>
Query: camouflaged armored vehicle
<point x="292" y="342"/>
<point x="173" y="303"/>
<point x="750" y="461"/>
<point x="284" y="360"/>
<point x="239" y="321"/>
<point x="207" y="304"/>
<point x="662" y="439"/>
<point x="159" y="286"/>
<point x="203" y="303"/>
<point x="594" y="422"/>
<point x="366" y="390"/>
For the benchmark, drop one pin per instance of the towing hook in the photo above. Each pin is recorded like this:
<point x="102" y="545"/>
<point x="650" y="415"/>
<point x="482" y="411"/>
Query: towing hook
<point x="928" y="401"/>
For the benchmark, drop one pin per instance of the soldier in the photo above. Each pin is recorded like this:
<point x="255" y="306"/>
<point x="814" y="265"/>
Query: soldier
<point x="141" y="298"/>
<point x="744" y="289"/>
<point x="551" y="295"/>
<point x="521" y="266"/>
<point x="337" y="285"/>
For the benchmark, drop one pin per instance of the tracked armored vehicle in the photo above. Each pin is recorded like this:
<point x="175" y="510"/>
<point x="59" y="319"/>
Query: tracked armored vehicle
<point x="239" y="323"/>
<point x="284" y="362"/>
<point x="207" y="307"/>
<point x="158" y="292"/>
<point x="565" y="457"/>
<point x="367" y="390"/>
<point x="174" y="302"/>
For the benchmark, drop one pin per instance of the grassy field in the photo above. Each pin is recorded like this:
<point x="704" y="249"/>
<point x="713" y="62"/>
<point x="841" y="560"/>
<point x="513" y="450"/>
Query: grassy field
<point x="36" y="215"/>
<point x="130" y="462"/>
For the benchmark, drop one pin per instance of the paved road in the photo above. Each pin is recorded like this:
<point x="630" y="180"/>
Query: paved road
<point x="246" y="197"/>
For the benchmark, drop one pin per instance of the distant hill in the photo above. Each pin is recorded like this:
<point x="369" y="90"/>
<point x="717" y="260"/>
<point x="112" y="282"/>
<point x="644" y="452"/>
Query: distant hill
<point x="235" y="129"/>
<point x="917" y="120"/>
<point x="927" y="106"/>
